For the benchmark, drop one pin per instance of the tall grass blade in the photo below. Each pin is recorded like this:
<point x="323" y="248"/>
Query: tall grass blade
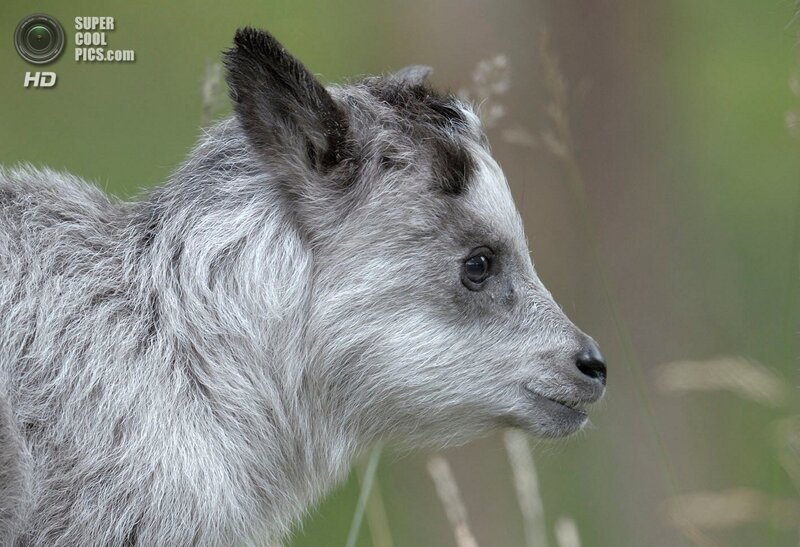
<point x="366" y="488"/>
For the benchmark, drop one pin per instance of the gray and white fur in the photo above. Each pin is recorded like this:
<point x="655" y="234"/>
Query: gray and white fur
<point x="329" y="268"/>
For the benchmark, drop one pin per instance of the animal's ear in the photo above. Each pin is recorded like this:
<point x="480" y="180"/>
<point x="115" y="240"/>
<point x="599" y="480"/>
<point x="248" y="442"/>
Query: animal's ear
<point x="282" y="107"/>
<point x="411" y="75"/>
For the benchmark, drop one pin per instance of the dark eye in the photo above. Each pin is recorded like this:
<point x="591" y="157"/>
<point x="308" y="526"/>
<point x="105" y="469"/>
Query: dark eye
<point x="477" y="268"/>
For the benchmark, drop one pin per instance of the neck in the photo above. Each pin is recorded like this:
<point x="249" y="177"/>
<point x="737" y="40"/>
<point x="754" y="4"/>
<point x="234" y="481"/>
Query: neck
<point x="229" y="282"/>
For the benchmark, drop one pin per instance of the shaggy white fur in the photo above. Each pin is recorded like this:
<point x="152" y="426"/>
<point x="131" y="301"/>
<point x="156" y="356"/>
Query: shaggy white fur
<point x="200" y="366"/>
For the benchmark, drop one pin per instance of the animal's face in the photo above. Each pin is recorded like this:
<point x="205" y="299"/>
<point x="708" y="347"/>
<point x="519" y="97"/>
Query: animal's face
<point x="428" y="320"/>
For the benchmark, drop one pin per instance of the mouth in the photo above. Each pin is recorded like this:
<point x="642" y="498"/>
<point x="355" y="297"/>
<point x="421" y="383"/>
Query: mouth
<point x="556" y="416"/>
<point x="579" y="407"/>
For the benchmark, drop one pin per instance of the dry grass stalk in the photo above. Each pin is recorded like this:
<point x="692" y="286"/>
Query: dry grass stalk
<point x="792" y="117"/>
<point x="557" y="139"/>
<point x="567" y="533"/>
<point x="376" y="513"/>
<point x="730" y="508"/>
<point x="527" y="485"/>
<point x="694" y="534"/>
<point x="738" y="375"/>
<point x="490" y="79"/>
<point x="367" y="483"/>
<point x="792" y="121"/>
<point x="212" y="91"/>
<point x="520" y="137"/>
<point x="788" y="441"/>
<point x="450" y="496"/>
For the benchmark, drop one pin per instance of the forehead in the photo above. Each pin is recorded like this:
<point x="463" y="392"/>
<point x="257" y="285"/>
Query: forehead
<point x="488" y="199"/>
<point x="463" y="162"/>
<point x="440" y="132"/>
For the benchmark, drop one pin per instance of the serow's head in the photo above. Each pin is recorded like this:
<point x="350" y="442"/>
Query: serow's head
<point x="428" y="323"/>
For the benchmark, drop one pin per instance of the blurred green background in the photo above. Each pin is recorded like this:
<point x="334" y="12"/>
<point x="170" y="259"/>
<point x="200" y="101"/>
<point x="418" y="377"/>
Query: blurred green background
<point x="678" y="111"/>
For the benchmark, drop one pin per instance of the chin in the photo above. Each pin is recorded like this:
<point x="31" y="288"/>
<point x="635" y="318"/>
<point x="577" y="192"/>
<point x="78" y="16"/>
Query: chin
<point x="549" y="418"/>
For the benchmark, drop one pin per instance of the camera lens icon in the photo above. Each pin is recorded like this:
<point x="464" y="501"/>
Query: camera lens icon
<point x="39" y="39"/>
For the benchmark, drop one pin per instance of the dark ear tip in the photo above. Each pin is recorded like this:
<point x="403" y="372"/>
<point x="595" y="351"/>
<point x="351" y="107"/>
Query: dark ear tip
<point x="252" y="48"/>
<point x="274" y="93"/>
<point x="249" y="38"/>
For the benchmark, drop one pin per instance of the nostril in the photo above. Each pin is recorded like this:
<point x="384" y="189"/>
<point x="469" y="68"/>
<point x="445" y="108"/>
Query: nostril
<point x="592" y="363"/>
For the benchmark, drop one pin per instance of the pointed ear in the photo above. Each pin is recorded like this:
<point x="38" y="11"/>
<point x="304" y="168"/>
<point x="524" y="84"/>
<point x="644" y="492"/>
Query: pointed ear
<point x="283" y="108"/>
<point x="411" y="75"/>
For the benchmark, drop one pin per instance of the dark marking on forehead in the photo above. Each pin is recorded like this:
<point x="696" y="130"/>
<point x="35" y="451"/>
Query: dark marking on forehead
<point x="420" y="103"/>
<point x="452" y="167"/>
<point x="436" y="122"/>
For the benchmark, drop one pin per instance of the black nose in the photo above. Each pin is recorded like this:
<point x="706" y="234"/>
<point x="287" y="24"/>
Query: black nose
<point x="592" y="363"/>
